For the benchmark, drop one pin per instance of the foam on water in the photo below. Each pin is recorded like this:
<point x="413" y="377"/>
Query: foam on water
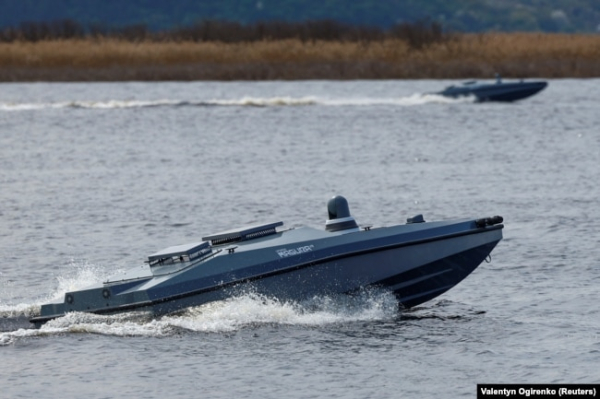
<point x="80" y="274"/>
<point x="77" y="274"/>
<point x="266" y="102"/>
<point x="415" y="99"/>
<point x="243" y="311"/>
<point x="251" y="309"/>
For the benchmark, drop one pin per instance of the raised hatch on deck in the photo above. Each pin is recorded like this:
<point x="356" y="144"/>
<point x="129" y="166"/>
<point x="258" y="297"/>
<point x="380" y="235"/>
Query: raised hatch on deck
<point x="243" y="233"/>
<point x="182" y="253"/>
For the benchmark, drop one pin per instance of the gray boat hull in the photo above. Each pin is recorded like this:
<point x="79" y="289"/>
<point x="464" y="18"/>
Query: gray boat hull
<point x="416" y="261"/>
<point x="501" y="92"/>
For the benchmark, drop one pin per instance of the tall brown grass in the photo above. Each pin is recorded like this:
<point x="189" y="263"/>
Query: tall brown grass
<point x="465" y="56"/>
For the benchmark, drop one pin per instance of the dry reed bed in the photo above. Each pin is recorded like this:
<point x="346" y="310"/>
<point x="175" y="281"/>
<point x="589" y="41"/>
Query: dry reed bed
<point x="517" y="54"/>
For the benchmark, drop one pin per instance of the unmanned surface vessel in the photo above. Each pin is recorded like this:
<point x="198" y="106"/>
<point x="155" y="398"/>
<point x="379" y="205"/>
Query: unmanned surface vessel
<point x="417" y="261"/>
<point x="498" y="91"/>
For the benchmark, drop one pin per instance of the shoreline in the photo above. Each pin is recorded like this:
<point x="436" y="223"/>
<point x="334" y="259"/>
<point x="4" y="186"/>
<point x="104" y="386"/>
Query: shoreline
<point x="513" y="55"/>
<point x="290" y="72"/>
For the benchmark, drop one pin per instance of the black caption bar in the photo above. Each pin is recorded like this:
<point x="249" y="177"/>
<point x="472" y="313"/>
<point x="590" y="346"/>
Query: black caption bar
<point x="536" y="391"/>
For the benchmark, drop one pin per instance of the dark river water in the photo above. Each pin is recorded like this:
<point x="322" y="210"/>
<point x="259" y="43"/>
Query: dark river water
<point x="95" y="177"/>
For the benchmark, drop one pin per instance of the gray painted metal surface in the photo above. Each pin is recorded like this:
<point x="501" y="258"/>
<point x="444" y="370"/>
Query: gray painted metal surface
<point x="498" y="91"/>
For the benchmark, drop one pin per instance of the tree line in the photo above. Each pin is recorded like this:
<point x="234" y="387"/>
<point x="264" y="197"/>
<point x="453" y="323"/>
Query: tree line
<point x="417" y="34"/>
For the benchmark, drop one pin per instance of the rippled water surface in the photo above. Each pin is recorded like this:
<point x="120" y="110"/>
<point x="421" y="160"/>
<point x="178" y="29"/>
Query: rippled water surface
<point x="94" y="177"/>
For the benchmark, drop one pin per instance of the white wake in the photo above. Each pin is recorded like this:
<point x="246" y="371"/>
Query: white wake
<point x="413" y="100"/>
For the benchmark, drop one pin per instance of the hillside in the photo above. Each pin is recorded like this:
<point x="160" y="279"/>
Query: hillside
<point x="581" y="16"/>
